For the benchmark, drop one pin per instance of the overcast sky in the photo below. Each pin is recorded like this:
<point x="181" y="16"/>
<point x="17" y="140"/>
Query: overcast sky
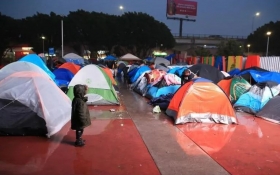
<point x="215" y="17"/>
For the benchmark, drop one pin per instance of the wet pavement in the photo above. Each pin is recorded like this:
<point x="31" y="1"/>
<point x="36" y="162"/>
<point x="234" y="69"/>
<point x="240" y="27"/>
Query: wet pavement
<point x="133" y="140"/>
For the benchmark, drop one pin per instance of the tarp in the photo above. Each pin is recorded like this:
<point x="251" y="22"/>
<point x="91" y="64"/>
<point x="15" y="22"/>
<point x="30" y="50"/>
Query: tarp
<point x="35" y="59"/>
<point x="32" y="104"/>
<point x="100" y="88"/>
<point x="154" y="76"/>
<point x="200" y="100"/>
<point x="260" y="76"/>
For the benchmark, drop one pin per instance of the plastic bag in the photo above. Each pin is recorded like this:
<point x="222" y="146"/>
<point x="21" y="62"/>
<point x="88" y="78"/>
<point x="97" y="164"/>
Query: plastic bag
<point x="156" y="109"/>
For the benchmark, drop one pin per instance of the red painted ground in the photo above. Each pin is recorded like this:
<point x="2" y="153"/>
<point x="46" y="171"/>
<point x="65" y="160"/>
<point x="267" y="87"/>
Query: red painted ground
<point x="250" y="148"/>
<point x="112" y="147"/>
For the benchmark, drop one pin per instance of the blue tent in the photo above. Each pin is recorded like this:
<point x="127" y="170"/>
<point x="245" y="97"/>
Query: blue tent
<point x="137" y="72"/>
<point x="149" y="59"/>
<point x="35" y="59"/>
<point x="110" y="58"/>
<point x="63" y="76"/>
<point x="169" y="57"/>
<point x="154" y="92"/>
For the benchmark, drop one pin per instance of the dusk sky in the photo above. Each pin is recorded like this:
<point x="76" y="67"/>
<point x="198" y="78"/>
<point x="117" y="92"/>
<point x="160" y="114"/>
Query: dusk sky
<point x="215" y="17"/>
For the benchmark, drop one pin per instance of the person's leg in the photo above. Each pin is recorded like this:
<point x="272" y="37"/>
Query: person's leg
<point x="79" y="140"/>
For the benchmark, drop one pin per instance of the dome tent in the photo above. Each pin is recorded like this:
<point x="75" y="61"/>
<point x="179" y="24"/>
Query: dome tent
<point x="100" y="88"/>
<point x="35" y="59"/>
<point x="31" y="104"/>
<point x="202" y="101"/>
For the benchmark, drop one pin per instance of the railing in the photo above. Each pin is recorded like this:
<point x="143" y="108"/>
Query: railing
<point x="208" y="36"/>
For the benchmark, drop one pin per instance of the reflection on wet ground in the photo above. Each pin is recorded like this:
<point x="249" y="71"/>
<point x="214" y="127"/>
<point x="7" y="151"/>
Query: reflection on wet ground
<point x="112" y="147"/>
<point x="252" y="147"/>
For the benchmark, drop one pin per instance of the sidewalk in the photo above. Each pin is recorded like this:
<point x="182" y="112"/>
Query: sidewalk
<point x="134" y="141"/>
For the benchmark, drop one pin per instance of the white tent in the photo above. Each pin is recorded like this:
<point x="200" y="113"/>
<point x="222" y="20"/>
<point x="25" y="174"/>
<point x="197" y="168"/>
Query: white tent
<point x="159" y="60"/>
<point x="72" y="57"/>
<point x="100" y="88"/>
<point x="129" y="57"/>
<point x="31" y="104"/>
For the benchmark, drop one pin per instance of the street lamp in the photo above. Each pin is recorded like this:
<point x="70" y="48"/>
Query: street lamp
<point x="43" y="38"/>
<point x="248" y="45"/>
<point x="121" y="8"/>
<point x="257" y="14"/>
<point x="268" y="34"/>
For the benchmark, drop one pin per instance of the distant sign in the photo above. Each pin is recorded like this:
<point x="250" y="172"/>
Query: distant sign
<point x="181" y="9"/>
<point x="51" y="51"/>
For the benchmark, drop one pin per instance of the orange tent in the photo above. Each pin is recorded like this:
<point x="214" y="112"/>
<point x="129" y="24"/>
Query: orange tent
<point x="201" y="101"/>
<point x="71" y="67"/>
<point x="110" y="74"/>
<point x="225" y="85"/>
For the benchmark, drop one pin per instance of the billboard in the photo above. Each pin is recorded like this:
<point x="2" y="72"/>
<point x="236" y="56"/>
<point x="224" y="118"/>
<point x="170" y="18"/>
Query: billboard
<point x="181" y="9"/>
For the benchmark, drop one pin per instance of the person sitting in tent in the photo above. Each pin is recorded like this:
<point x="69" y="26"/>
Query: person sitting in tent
<point x="80" y="117"/>
<point x="187" y="76"/>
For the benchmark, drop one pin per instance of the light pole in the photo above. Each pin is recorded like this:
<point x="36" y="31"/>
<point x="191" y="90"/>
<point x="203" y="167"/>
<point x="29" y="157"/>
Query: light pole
<point x="62" y="54"/>
<point x="268" y="34"/>
<point x="248" y="45"/>
<point x="43" y="38"/>
<point x="121" y="8"/>
<point x="257" y="14"/>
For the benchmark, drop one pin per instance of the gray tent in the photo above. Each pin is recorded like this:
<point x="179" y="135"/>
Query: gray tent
<point x="271" y="110"/>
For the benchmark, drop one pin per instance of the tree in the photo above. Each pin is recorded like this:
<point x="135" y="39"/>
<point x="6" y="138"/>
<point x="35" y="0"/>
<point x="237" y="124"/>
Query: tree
<point x="230" y="48"/>
<point x="258" y="40"/>
<point x="201" y="51"/>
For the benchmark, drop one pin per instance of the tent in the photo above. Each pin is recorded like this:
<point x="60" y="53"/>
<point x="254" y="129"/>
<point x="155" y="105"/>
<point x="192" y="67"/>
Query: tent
<point x="20" y="66"/>
<point x="35" y="59"/>
<point x="160" y="60"/>
<point x="129" y="57"/>
<point x="202" y="101"/>
<point x="234" y="87"/>
<point x="137" y="72"/>
<point x="71" y="67"/>
<point x="74" y="58"/>
<point x="109" y="73"/>
<point x="258" y="95"/>
<point x="63" y="76"/>
<point x="270" y="111"/>
<point x="207" y="71"/>
<point x="101" y="90"/>
<point x="156" y="92"/>
<point x="110" y="58"/>
<point x="31" y="104"/>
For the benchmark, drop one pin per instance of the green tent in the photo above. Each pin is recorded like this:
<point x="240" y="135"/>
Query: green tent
<point x="238" y="87"/>
<point x="100" y="88"/>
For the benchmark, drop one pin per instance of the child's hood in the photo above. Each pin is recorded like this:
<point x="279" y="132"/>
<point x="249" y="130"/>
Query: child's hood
<point x="79" y="91"/>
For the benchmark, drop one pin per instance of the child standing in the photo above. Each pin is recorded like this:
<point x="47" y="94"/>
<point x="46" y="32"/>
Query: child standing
<point x="80" y="117"/>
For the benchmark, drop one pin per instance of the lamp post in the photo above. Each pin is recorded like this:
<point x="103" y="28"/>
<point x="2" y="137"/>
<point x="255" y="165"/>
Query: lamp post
<point x="43" y="38"/>
<point x="268" y="34"/>
<point x="62" y="54"/>
<point x="121" y="8"/>
<point x="257" y="14"/>
<point x="248" y="46"/>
